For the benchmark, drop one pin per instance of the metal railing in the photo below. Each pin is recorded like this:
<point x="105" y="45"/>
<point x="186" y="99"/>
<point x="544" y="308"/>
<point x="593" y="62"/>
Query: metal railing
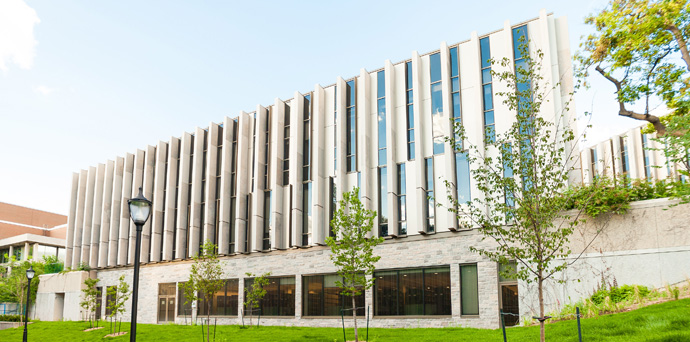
<point x="542" y="319"/>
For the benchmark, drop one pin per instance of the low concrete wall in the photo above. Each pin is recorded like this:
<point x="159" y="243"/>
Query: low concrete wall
<point x="59" y="295"/>
<point x="649" y="245"/>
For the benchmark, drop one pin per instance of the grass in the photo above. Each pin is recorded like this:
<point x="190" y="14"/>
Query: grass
<point x="666" y="322"/>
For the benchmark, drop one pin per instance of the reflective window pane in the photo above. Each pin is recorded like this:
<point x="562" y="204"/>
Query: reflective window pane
<point x="469" y="291"/>
<point x="485" y="52"/>
<point x="435" y="67"/>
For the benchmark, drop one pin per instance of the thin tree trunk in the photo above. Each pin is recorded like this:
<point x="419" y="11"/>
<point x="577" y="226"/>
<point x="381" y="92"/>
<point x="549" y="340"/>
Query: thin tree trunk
<point x="208" y="320"/>
<point x="354" y="316"/>
<point x="542" y="333"/>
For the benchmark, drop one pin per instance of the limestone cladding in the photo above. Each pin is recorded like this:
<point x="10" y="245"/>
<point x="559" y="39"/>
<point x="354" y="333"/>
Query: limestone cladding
<point x="417" y="251"/>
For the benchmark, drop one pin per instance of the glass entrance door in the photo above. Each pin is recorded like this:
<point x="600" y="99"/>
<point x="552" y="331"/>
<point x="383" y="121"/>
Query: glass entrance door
<point x="166" y="303"/>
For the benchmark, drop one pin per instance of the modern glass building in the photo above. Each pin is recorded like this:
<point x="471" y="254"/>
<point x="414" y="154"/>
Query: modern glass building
<point x="263" y="187"/>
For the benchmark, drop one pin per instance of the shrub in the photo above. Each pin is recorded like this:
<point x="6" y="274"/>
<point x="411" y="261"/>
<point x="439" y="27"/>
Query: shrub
<point x="10" y="318"/>
<point x="619" y="294"/>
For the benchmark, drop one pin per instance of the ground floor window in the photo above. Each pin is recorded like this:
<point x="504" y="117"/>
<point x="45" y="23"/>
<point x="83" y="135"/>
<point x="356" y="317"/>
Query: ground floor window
<point x="184" y="307"/>
<point x="509" y="293"/>
<point x="111" y="296"/>
<point x="224" y="301"/>
<point x="421" y="291"/>
<point x="321" y="297"/>
<point x="280" y="296"/>
<point x="469" y="290"/>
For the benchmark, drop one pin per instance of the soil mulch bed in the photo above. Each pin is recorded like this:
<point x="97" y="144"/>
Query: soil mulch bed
<point x="116" y="334"/>
<point x="92" y="329"/>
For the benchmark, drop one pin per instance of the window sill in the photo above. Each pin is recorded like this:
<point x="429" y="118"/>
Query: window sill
<point x="330" y="317"/>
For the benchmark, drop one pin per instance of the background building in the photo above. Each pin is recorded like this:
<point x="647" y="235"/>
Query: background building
<point x="263" y="187"/>
<point x="28" y="232"/>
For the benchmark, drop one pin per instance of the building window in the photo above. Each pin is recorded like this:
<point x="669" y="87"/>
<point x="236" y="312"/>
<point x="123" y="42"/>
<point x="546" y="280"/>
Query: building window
<point x="594" y="167"/>
<point x="219" y="169"/>
<point x="469" y="290"/>
<point x="455" y="103"/>
<point x="280" y="296"/>
<point x="410" y="110"/>
<point x="233" y="187"/>
<point x="307" y="214"/>
<point x="462" y="177"/>
<point x="351" y="121"/>
<point x="431" y="206"/>
<point x="184" y="308"/>
<point x="402" y="199"/>
<point x="306" y="153"/>
<point x="224" y="301"/>
<point x="647" y="160"/>
<point x="383" y="201"/>
<point x="332" y="204"/>
<point x="322" y="297"/>
<point x="487" y="91"/>
<point x="335" y="129"/>
<point x="286" y="146"/>
<point x="110" y="297"/>
<point x="381" y="110"/>
<point x="202" y="213"/>
<point x="507" y="155"/>
<point x="189" y="199"/>
<point x="416" y="292"/>
<point x="268" y="220"/>
<point x="436" y="102"/>
<point x="177" y="196"/>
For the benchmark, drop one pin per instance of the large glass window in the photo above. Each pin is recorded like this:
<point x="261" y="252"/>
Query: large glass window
<point x="306" y="153"/>
<point x="647" y="160"/>
<point x="286" y="145"/>
<point x="409" y="110"/>
<point x="424" y="291"/>
<point x="381" y="110"/>
<point x="469" y="290"/>
<point x="383" y="201"/>
<point x="224" y="301"/>
<point x="593" y="160"/>
<point x="322" y="297"/>
<point x="351" y="122"/>
<point x="487" y="91"/>
<point x="307" y="214"/>
<point x="436" y="102"/>
<point x="462" y="177"/>
<point x="402" y="199"/>
<point x="233" y="187"/>
<point x="184" y="308"/>
<point x="431" y="205"/>
<point x="280" y="296"/>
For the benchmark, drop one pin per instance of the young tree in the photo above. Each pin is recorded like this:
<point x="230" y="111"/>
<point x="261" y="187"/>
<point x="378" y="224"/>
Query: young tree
<point x="13" y="285"/>
<point x="522" y="175"/>
<point x="640" y="46"/>
<point x="116" y="297"/>
<point x="353" y="252"/>
<point x="254" y="294"/>
<point x="90" y="299"/>
<point x="205" y="279"/>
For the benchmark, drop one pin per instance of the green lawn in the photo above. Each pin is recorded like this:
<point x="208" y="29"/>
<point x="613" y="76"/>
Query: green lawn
<point x="667" y="322"/>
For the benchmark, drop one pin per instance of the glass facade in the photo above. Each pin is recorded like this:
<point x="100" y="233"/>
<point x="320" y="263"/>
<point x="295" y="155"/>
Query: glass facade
<point x="429" y="185"/>
<point x="383" y="201"/>
<point x="307" y="214"/>
<point x="436" y="102"/>
<point x="462" y="177"/>
<point x="224" y="301"/>
<point x="646" y="157"/>
<point x="469" y="290"/>
<point x="321" y="297"/>
<point x="487" y="91"/>
<point x="280" y="296"/>
<point x="381" y="114"/>
<point x="286" y="146"/>
<point x="409" y="100"/>
<point x="351" y="122"/>
<point x="412" y="292"/>
<point x="402" y="199"/>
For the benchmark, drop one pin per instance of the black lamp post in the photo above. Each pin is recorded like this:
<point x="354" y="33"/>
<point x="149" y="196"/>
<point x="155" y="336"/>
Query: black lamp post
<point x="30" y="273"/>
<point x="139" y="211"/>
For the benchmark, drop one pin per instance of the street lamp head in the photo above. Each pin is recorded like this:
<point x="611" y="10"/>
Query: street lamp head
<point x="139" y="209"/>
<point x="30" y="273"/>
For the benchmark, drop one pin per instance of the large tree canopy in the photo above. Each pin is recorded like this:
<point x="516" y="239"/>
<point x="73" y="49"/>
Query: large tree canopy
<point x="640" y="46"/>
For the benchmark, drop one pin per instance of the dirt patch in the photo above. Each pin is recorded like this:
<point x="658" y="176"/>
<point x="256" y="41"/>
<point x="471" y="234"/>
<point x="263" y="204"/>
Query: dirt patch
<point x="116" y="334"/>
<point x="92" y="329"/>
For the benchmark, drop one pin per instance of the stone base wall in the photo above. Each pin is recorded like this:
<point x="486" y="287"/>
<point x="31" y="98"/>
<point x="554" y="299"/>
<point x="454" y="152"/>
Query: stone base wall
<point x="411" y="252"/>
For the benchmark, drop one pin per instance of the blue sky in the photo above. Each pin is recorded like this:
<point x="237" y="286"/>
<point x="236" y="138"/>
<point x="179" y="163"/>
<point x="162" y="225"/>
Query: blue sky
<point x="84" y="81"/>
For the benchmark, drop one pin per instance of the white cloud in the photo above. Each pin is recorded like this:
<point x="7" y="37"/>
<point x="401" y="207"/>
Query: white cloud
<point x="17" y="42"/>
<point x="44" y="90"/>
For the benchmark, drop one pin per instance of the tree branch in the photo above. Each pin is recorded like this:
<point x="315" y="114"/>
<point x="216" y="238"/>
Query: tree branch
<point x="681" y="44"/>
<point x="659" y="126"/>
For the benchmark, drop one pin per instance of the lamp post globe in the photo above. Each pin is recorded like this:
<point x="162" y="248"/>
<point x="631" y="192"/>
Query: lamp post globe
<point x="139" y="211"/>
<point x="30" y="273"/>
